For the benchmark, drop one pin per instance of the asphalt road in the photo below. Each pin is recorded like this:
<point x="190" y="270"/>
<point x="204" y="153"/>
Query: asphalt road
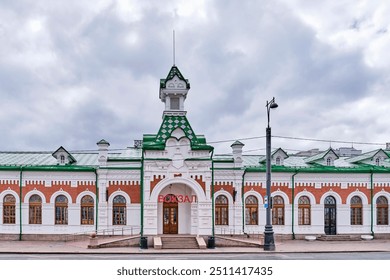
<point x="241" y="256"/>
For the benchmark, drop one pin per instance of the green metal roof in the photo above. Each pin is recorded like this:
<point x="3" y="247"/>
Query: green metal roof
<point x="320" y="155"/>
<point x="172" y="73"/>
<point x="255" y="163"/>
<point x="169" y="124"/>
<point x="367" y="156"/>
<point x="44" y="159"/>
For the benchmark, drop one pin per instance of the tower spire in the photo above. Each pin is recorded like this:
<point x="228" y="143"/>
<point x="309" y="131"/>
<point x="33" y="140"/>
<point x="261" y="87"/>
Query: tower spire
<point x="174" y="46"/>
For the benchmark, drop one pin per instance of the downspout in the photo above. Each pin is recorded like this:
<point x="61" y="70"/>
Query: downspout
<point x="212" y="194"/>
<point x="372" y="200"/>
<point x="97" y="199"/>
<point x="242" y="201"/>
<point x="20" y="203"/>
<point x="142" y="192"/>
<point x="293" y="200"/>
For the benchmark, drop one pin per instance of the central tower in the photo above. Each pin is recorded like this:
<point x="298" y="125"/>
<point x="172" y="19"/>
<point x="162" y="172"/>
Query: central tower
<point x="177" y="164"/>
<point x="173" y="92"/>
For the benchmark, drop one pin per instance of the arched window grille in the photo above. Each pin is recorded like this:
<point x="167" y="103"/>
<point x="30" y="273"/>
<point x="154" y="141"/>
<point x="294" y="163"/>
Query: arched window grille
<point x="35" y="209"/>
<point x="61" y="210"/>
<point x="304" y="211"/>
<point x="251" y="210"/>
<point x="87" y="210"/>
<point x="119" y="210"/>
<point x="278" y="210"/>
<point x="9" y="208"/>
<point x="356" y="211"/>
<point x="221" y="210"/>
<point x="382" y="211"/>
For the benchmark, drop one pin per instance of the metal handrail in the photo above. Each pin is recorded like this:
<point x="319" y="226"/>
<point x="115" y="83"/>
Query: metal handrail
<point x="108" y="232"/>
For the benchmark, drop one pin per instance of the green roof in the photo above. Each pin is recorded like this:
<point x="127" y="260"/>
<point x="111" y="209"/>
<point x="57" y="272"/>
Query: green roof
<point x="366" y="156"/>
<point x="169" y="124"/>
<point x="320" y="155"/>
<point x="172" y="73"/>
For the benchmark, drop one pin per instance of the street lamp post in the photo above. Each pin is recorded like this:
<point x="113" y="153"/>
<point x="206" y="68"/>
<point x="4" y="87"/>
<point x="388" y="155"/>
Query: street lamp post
<point x="269" y="241"/>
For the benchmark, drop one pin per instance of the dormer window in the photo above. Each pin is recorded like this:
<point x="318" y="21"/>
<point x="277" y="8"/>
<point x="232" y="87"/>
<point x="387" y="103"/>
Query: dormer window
<point x="63" y="156"/>
<point x="278" y="161"/>
<point x="329" y="161"/>
<point x="378" y="161"/>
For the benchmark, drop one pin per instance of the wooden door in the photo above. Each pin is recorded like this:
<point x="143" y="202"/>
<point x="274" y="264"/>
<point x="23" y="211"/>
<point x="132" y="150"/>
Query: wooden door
<point x="170" y="218"/>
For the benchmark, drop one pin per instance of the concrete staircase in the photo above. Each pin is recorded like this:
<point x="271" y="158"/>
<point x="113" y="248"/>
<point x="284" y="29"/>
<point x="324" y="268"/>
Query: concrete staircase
<point x="340" y="237"/>
<point x="179" y="242"/>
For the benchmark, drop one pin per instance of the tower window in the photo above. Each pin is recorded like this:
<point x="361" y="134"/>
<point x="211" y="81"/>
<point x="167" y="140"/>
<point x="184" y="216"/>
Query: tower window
<point x="175" y="103"/>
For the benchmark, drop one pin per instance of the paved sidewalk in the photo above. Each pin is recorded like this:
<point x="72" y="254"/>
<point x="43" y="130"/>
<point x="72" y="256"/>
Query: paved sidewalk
<point x="48" y="247"/>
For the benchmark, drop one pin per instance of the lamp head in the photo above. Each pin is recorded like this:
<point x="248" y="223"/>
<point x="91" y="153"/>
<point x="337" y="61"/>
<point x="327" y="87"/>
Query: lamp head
<point x="273" y="105"/>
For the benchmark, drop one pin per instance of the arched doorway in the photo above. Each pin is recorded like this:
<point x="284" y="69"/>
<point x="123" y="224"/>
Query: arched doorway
<point x="170" y="214"/>
<point x="330" y="215"/>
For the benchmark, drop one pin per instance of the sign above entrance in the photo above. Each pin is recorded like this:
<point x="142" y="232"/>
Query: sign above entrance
<point x="170" y="198"/>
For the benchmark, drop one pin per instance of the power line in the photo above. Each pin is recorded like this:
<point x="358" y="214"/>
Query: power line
<point x="327" y="140"/>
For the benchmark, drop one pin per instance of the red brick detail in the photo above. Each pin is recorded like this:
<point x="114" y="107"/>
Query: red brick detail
<point x="382" y="185"/>
<point x="199" y="180"/>
<point x="357" y="185"/>
<point x="131" y="188"/>
<point x="305" y="185"/>
<point x="58" y="186"/>
<point x="226" y="186"/>
<point x="331" y="185"/>
<point x="257" y="187"/>
<point x="155" y="181"/>
<point x="343" y="193"/>
<point x="13" y="185"/>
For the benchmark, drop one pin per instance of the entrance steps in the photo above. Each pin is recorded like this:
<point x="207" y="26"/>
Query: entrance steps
<point x="179" y="242"/>
<point x="339" y="237"/>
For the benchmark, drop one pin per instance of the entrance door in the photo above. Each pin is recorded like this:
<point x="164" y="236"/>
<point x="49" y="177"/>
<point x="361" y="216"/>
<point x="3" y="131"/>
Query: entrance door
<point x="170" y="215"/>
<point x="330" y="215"/>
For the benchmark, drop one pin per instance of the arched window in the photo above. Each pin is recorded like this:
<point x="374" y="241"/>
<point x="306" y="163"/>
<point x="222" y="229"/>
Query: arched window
<point x="87" y="210"/>
<point x="35" y="209"/>
<point x="119" y="210"/>
<point x="278" y="161"/>
<point x="221" y="210"/>
<point x="9" y="209"/>
<point x="382" y="211"/>
<point x="329" y="161"/>
<point x="330" y="200"/>
<point x="356" y="210"/>
<point x="62" y="159"/>
<point x="277" y="210"/>
<point x="304" y="210"/>
<point x="251" y="210"/>
<point x="61" y="210"/>
<point x="378" y="161"/>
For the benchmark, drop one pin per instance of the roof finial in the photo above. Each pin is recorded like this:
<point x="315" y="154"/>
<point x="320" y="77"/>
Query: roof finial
<point x="174" y="54"/>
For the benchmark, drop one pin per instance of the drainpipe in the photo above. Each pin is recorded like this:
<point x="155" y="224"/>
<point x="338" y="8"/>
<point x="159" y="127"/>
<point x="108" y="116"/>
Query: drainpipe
<point x="97" y="199"/>
<point x="292" y="199"/>
<point x="212" y="194"/>
<point x="242" y="201"/>
<point x="372" y="200"/>
<point x="20" y="203"/>
<point x="142" y="193"/>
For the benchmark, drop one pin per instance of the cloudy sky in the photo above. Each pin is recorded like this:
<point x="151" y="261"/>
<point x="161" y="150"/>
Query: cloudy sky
<point x="73" y="72"/>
